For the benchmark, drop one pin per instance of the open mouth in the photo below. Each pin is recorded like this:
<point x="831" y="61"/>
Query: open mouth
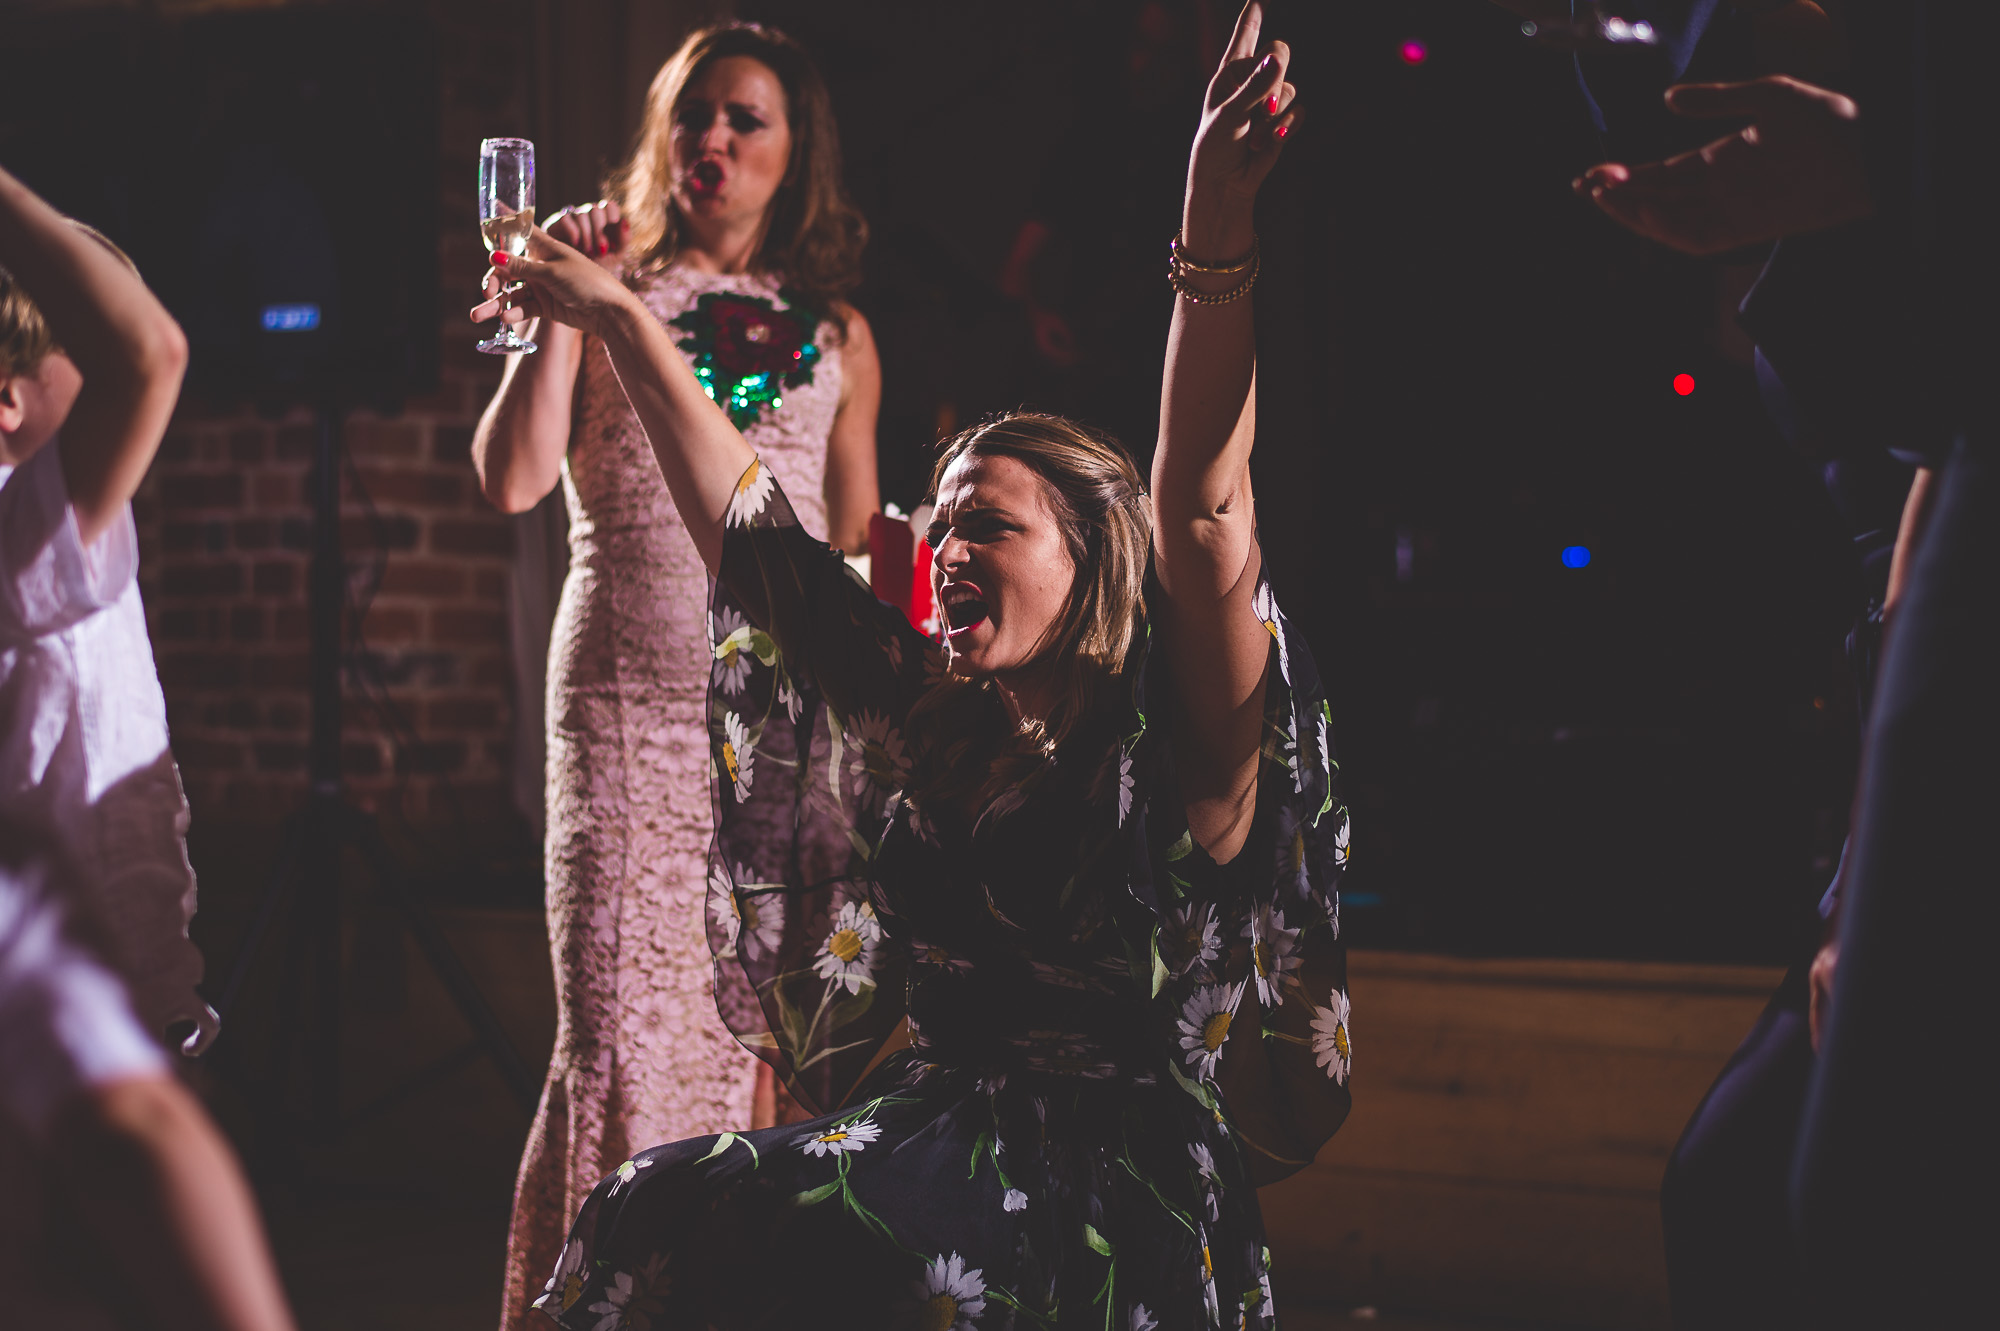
<point x="964" y="607"/>
<point x="705" y="177"/>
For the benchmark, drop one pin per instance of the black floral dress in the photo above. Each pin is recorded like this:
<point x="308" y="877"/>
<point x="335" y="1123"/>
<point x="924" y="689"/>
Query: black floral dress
<point x="1108" y="1030"/>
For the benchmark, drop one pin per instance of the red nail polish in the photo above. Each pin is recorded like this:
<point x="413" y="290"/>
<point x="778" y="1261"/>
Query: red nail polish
<point x="500" y="258"/>
<point x="1284" y="130"/>
<point x="1271" y="106"/>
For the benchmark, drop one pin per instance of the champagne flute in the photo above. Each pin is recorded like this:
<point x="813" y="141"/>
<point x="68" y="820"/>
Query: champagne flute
<point x="506" y="216"/>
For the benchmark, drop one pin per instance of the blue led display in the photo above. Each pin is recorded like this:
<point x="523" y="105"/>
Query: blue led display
<point x="289" y="318"/>
<point x="1576" y="556"/>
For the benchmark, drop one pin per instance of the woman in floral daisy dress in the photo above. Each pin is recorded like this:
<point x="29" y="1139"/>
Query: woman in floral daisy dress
<point x="735" y="238"/>
<point x="1082" y="860"/>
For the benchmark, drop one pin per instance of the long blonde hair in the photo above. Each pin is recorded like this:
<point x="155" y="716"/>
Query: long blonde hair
<point x="816" y="234"/>
<point x="1100" y="503"/>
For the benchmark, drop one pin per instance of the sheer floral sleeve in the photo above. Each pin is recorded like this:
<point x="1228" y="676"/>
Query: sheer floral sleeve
<point x="813" y="679"/>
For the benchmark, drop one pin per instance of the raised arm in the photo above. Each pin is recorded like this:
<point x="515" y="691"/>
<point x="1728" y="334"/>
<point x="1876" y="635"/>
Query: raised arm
<point x="524" y="431"/>
<point x="700" y="453"/>
<point x="1204" y="522"/>
<point x="853" y="494"/>
<point x="129" y="349"/>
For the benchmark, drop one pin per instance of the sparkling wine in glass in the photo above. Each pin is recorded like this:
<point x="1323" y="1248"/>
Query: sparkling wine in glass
<point x="506" y="216"/>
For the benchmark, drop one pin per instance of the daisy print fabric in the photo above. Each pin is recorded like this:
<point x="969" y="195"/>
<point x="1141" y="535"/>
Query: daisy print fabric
<point x="1071" y="1137"/>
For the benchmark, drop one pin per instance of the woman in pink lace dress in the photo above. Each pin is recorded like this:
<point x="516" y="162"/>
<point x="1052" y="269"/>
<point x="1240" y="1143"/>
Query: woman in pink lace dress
<point x="731" y="223"/>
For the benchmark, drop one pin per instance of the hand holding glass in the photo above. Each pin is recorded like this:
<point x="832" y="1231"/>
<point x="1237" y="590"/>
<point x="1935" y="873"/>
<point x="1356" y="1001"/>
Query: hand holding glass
<point x="506" y="216"/>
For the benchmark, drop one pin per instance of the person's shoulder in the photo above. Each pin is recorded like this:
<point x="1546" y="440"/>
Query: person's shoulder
<point x="857" y="337"/>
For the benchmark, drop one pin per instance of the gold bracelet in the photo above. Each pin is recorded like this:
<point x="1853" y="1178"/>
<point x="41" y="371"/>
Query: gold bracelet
<point x="1177" y="279"/>
<point x="1177" y="255"/>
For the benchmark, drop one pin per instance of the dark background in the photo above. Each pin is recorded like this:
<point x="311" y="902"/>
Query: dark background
<point x="1462" y="371"/>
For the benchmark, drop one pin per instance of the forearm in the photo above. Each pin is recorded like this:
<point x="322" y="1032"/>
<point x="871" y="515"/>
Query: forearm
<point x="1916" y="517"/>
<point x="1207" y="408"/>
<point x="518" y="446"/>
<point x="147" y="1169"/>
<point x="131" y="352"/>
<point x="701" y="455"/>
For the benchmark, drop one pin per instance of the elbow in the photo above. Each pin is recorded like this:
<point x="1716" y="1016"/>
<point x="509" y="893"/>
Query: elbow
<point x="162" y="352"/>
<point x="508" y="498"/>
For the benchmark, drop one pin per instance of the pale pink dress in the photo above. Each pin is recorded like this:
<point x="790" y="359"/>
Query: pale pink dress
<point x="641" y="1058"/>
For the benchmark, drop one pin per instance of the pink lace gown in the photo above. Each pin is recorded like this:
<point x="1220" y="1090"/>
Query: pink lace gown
<point x="641" y="1056"/>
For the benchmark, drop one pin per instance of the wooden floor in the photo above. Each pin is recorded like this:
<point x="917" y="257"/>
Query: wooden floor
<point x="1501" y="1169"/>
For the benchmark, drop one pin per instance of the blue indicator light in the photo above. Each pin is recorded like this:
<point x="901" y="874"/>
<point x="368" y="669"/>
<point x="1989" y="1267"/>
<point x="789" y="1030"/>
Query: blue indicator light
<point x="1576" y="556"/>
<point x="289" y="318"/>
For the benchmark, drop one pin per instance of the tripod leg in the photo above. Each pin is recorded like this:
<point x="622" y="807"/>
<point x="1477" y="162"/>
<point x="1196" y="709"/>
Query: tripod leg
<point x="444" y="963"/>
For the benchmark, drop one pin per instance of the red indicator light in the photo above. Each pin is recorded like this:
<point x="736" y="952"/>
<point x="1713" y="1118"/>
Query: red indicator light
<point x="1414" y="52"/>
<point x="1684" y="384"/>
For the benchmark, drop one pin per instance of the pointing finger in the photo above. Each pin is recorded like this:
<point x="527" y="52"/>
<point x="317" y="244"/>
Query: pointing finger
<point x="1243" y="41"/>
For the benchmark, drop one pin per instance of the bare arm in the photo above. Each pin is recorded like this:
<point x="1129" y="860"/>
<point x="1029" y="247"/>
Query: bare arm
<point x="701" y="455"/>
<point x="129" y="349"/>
<point x="524" y="432"/>
<point x="518" y="446"/>
<point x="853" y="493"/>
<point x="146" y="1167"/>
<point x="1909" y="534"/>
<point x="1204" y="520"/>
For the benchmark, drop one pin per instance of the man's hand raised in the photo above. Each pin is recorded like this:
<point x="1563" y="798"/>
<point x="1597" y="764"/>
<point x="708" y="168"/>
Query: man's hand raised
<point x="1796" y="167"/>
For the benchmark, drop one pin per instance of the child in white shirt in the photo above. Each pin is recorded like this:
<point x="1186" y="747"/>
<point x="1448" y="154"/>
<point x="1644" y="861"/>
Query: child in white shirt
<point x="93" y="867"/>
<point x="83" y="724"/>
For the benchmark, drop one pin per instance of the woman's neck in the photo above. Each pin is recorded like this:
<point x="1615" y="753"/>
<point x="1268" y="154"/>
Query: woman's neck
<point x="1028" y="695"/>
<point x="721" y="245"/>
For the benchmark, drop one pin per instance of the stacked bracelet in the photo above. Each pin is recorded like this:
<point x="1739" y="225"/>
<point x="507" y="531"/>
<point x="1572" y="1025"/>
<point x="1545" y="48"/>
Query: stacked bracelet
<point x="1179" y="266"/>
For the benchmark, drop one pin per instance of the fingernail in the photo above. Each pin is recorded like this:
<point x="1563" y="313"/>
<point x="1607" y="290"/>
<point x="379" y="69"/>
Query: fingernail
<point x="1271" y="105"/>
<point x="603" y="248"/>
<point x="500" y="258"/>
<point x="1284" y="130"/>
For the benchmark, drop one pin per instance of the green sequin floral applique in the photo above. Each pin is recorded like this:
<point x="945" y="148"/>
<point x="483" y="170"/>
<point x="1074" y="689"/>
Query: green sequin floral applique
<point x="747" y="352"/>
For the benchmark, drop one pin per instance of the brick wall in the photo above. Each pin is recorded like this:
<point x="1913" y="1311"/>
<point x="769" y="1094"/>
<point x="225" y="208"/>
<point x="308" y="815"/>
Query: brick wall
<point x="224" y="531"/>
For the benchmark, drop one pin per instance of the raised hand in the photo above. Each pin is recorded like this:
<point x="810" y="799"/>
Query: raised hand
<point x="552" y="280"/>
<point x="1245" y="118"/>
<point x="596" y="229"/>
<point x="1796" y="167"/>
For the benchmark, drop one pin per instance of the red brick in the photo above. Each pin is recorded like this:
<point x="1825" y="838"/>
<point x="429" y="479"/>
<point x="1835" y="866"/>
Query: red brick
<point x="296" y="443"/>
<point x="386" y="624"/>
<point x="278" y="490"/>
<point x="210" y="670"/>
<point x="455" y="625"/>
<point x="413" y="486"/>
<point x="223" y="489"/>
<point x="274" y="578"/>
<point x="254" y="534"/>
<point x="279" y="755"/>
<point x="492" y="671"/>
<point x="462" y="536"/>
<point x="464" y="714"/>
<point x="248" y="444"/>
<point x="432" y="756"/>
<point x="449" y="398"/>
<point x="384" y="439"/>
<point x="490" y="584"/>
<point x="360" y="758"/>
<point x="208" y="755"/>
<point x="182" y="624"/>
<point x="180" y="537"/>
<point x="235" y="713"/>
<point x="176" y="448"/>
<point x="286" y="714"/>
<point x="387" y="531"/>
<point x="452" y="444"/>
<point x="279" y="670"/>
<point x="246" y="624"/>
<point x="202" y="580"/>
<point x="423" y="577"/>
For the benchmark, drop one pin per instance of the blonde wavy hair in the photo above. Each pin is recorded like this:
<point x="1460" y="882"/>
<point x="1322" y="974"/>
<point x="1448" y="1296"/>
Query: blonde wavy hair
<point x="815" y="234"/>
<point x="965" y="745"/>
